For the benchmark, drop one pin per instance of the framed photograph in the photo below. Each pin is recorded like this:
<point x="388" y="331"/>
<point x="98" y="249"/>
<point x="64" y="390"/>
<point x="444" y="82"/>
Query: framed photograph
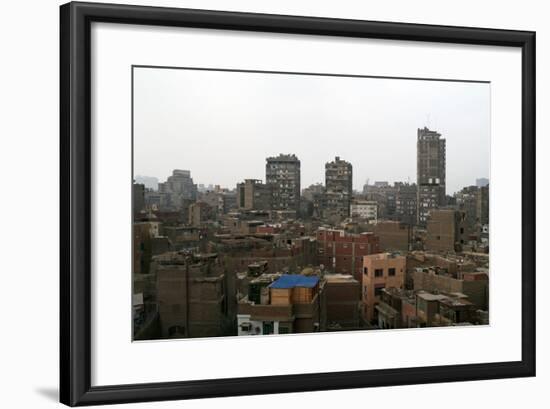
<point x="257" y="204"/>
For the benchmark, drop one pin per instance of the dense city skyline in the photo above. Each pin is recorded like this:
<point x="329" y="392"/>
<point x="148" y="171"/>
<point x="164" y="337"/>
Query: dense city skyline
<point x="271" y="252"/>
<point x="289" y="109"/>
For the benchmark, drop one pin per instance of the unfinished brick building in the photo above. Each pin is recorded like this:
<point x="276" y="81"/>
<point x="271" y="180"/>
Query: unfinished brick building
<point x="341" y="305"/>
<point x="342" y="252"/>
<point x="475" y="285"/>
<point x="393" y="236"/>
<point x="447" y="230"/>
<point x="192" y="296"/>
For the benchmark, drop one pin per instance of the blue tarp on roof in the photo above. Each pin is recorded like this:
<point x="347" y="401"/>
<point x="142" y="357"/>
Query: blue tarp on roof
<point x="294" y="280"/>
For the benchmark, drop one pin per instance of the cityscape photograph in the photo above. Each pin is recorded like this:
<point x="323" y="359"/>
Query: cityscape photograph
<point x="276" y="203"/>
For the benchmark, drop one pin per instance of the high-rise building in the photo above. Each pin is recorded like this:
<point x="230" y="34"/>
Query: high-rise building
<point x="466" y="200"/>
<point x="405" y="202"/>
<point x="138" y="199"/>
<point x="283" y="174"/>
<point x="179" y="187"/>
<point x="482" y="205"/>
<point x="385" y="195"/>
<point x="430" y="172"/>
<point x="338" y="183"/>
<point x="474" y="201"/>
<point x="314" y="198"/>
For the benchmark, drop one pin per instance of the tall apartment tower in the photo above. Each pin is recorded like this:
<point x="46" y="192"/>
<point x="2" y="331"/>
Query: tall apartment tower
<point x="283" y="174"/>
<point x="338" y="185"/>
<point x="430" y="172"/>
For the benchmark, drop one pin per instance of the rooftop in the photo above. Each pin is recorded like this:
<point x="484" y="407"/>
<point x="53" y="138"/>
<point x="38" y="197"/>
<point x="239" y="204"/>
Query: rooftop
<point x="383" y="256"/>
<point x="431" y="297"/>
<point x="455" y="302"/>
<point x="339" y="278"/>
<point x="283" y="158"/>
<point x="295" y="280"/>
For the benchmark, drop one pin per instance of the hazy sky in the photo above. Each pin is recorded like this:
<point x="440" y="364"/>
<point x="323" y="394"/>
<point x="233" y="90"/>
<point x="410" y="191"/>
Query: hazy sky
<point x="222" y="125"/>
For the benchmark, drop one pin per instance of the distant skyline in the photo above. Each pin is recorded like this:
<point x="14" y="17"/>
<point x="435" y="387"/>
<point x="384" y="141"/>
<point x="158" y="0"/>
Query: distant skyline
<point x="223" y="125"/>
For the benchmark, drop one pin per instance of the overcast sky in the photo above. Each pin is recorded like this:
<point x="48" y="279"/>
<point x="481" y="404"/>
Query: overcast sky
<point x="222" y="125"/>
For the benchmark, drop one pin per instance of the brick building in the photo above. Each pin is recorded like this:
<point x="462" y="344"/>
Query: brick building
<point x="341" y="302"/>
<point x="192" y="296"/>
<point x="342" y="252"/>
<point x="393" y="235"/>
<point x="252" y="194"/>
<point x="199" y="213"/>
<point x="447" y="230"/>
<point x="475" y="285"/>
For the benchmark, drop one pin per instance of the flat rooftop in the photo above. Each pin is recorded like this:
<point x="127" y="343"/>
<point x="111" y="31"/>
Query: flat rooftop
<point x="295" y="280"/>
<point x="431" y="297"/>
<point x="339" y="278"/>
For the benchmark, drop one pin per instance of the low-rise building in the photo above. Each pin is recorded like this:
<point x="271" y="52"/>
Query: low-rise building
<point x="473" y="284"/>
<point x="283" y="304"/>
<point x="252" y="194"/>
<point x="192" y="296"/>
<point x="199" y="213"/>
<point x="341" y="303"/>
<point x="342" y="252"/>
<point x="392" y="308"/>
<point x="393" y="236"/>
<point x="380" y="271"/>
<point x="446" y="231"/>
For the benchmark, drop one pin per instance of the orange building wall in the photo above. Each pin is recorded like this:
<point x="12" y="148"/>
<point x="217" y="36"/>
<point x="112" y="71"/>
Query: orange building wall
<point x="382" y="261"/>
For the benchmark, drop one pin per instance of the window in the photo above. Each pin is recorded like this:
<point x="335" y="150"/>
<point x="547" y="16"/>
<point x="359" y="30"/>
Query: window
<point x="378" y="291"/>
<point x="462" y="230"/>
<point x="391" y="271"/>
<point x="378" y="272"/>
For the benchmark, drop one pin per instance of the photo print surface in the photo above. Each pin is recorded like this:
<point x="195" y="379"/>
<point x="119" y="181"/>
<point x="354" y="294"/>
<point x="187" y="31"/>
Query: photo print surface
<point x="272" y="203"/>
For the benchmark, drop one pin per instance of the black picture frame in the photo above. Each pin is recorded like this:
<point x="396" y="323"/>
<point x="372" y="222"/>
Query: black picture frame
<point x="75" y="203"/>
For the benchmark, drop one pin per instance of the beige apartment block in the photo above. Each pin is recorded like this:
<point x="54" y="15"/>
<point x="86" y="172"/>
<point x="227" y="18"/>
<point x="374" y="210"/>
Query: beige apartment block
<point x="383" y="270"/>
